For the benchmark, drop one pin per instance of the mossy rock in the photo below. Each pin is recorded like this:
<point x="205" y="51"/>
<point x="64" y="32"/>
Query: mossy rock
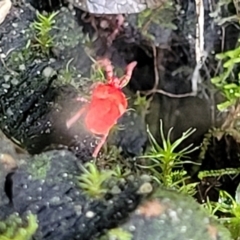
<point x="169" y="215"/>
<point x="48" y="186"/>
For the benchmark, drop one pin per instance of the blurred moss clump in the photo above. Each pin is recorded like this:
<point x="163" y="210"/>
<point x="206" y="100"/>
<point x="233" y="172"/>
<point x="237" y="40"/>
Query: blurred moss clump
<point x="15" y="228"/>
<point x="93" y="181"/>
<point x="40" y="166"/>
<point x="117" y="234"/>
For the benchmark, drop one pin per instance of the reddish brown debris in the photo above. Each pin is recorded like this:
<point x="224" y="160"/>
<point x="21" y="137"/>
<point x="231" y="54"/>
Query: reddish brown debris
<point x="151" y="208"/>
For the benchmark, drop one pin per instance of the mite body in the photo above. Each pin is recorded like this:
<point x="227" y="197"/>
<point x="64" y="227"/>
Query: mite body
<point x="107" y="104"/>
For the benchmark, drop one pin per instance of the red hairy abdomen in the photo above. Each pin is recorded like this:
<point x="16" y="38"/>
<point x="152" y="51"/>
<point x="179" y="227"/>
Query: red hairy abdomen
<point x="107" y="105"/>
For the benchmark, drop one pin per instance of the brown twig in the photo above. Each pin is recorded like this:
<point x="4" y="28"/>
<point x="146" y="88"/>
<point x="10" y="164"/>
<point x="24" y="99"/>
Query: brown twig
<point x="155" y="87"/>
<point x="4" y="64"/>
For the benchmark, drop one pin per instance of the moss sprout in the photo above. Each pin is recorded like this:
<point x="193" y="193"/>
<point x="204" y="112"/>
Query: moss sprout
<point x="40" y="166"/>
<point x="42" y="27"/>
<point x="163" y="161"/>
<point x="93" y="181"/>
<point x="119" y="234"/>
<point x="141" y="104"/>
<point x="230" y="210"/>
<point x="14" y="228"/>
<point x="228" y="82"/>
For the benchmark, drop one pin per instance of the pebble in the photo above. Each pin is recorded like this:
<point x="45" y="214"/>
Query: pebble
<point x="5" y="6"/>
<point x="48" y="72"/>
<point x="7" y="161"/>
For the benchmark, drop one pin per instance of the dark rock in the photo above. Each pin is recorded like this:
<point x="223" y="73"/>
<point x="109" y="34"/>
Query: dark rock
<point x="47" y="186"/>
<point x="49" y="6"/>
<point x="133" y="137"/>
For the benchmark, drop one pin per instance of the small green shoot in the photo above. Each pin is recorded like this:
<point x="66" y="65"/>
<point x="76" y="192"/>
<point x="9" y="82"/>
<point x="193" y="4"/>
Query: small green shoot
<point x="66" y="74"/>
<point x="178" y="180"/>
<point x="120" y="173"/>
<point x="218" y="172"/>
<point x="226" y="81"/>
<point x="42" y="27"/>
<point x="40" y="166"/>
<point x="163" y="160"/>
<point x="119" y="234"/>
<point x="230" y="210"/>
<point x="70" y="75"/>
<point x="141" y="104"/>
<point x="93" y="181"/>
<point x="210" y="207"/>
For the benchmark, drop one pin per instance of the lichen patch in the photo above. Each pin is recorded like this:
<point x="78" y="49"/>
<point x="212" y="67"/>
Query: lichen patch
<point x="213" y="232"/>
<point x="151" y="208"/>
<point x="8" y="161"/>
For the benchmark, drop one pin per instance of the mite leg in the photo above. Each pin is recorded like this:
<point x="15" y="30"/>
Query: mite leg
<point x="75" y="117"/>
<point x="128" y="74"/>
<point x="119" y="22"/>
<point x="99" y="146"/>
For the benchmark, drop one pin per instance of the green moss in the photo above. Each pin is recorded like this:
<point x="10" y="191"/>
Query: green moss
<point x="42" y="27"/>
<point x="111" y="158"/>
<point x="230" y="209"/>
<point x="14" y="228"/>
<point x="117" y="234"/>
<point x="162" y="161"/>
<point x="68" y="32"/>
<point x="15" y="65"/>
<point x="100" y="178"/>
<point x="141" y="104"/>
<point x="93" y="181"/>
<point x="40" y="166"/>
<point x="69" y="74"/>
<point x="228" y="82"/>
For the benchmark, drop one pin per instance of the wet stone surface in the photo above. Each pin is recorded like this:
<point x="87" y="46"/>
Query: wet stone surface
<point x="47" y="186"/>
